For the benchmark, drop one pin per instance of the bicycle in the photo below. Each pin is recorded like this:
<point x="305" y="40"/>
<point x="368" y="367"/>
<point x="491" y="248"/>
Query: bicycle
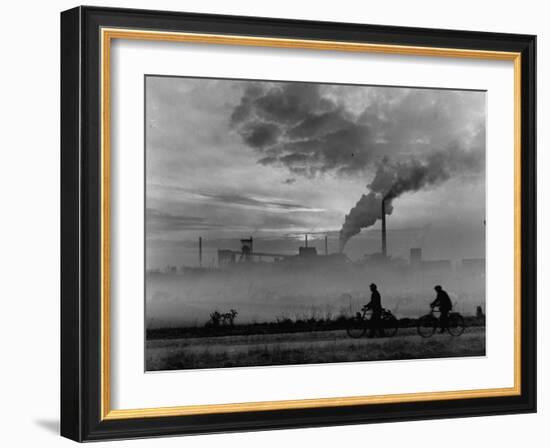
<point x="360" y="323"/>
<point x="428" y="324"/>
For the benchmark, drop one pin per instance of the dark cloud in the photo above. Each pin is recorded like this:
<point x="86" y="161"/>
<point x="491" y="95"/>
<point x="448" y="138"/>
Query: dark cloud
<point x="312" y="129"/>
<point x="297" y="126"/>
<point x="285" y="103"/>
<point x="316" y="126"/>
<point x="260" y="135"/>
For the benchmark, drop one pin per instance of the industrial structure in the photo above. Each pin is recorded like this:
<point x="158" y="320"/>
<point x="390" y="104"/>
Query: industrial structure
<point x="247" y="254"/>
<point x="384" y="247"/>
<point x="307" y="255"/>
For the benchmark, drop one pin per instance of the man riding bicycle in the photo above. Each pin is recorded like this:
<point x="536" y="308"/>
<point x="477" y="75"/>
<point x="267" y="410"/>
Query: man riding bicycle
<point x="375" y="305"/>
<point x="443" y="302"/>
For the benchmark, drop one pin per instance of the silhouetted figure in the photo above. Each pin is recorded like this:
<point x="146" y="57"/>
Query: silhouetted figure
<point x="375" y="305"/>
<point x="479" y="312"/>
<point x="443" y="302"/>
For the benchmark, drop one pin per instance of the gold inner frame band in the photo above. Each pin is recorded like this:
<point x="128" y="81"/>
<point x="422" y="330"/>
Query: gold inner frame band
<point x="107" y="35"/>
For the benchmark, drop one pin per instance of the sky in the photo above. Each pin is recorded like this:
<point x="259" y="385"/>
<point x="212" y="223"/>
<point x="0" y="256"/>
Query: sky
<point x="228" y="159"/>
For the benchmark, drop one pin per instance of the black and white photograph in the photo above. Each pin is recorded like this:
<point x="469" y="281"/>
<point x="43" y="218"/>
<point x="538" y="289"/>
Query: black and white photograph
<point x="301" y="223"/>
<point x="282" y="219"/>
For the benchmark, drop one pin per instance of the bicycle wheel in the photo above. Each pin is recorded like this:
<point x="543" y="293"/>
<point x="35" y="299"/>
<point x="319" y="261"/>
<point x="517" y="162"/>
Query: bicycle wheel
<point x="356" y="327"/>
<point x="389" y="324"/>
<point x="426" y="326"/>
<point x="456" y="324"/>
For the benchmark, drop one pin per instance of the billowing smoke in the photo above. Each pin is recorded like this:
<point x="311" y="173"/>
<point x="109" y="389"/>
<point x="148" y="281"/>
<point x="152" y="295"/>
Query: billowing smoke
<point x="312" y="129"/>
<point x="392" y="179"/>
<point x="365" y="213"/>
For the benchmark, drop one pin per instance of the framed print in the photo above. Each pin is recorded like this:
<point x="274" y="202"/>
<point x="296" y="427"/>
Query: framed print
<point x="276" y="224"/>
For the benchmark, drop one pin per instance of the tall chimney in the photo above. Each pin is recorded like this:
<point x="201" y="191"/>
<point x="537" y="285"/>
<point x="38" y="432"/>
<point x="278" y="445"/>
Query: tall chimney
<point x="306" y="239"/>
<point x="200" y="251"/>
<point x="326" y="245"/>
<point x="384" y="251"/>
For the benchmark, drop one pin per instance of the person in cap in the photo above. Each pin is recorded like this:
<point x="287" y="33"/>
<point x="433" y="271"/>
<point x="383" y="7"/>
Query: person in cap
<point x="444" y="304"/>
<point x="375" y="305"/>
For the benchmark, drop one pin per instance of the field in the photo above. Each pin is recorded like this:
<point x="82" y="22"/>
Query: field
<point x="305" y="348"/>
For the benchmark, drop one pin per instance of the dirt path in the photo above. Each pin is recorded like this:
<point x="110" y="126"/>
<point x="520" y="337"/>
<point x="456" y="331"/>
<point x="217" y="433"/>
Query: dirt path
<point x="307" y="348"/>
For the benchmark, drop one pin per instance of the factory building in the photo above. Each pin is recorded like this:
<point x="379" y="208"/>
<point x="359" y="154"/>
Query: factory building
<point x="247" y="254"/>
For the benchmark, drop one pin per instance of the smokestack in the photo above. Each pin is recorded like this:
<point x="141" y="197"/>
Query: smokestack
<point x="384" y="252"/>
<point x="391" y="180"/>
<point x="326" y="245"/>
<point x="306" y="239"/>
<point x="416" y="256"/>
<point x="200" y="251"/>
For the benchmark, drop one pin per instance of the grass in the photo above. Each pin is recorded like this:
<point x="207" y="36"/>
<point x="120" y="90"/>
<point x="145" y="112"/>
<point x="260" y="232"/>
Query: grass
<point x="304" y="324"/>
<point x="306" y="348"/>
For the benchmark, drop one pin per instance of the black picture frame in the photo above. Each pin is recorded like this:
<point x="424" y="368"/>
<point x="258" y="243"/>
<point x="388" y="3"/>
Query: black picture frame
<point x="81" y="414"/>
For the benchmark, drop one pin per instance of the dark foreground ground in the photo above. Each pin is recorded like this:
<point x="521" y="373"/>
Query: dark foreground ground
<point x="306" y="348"/>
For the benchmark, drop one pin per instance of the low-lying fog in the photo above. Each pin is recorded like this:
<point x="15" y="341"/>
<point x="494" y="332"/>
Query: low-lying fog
<point x="265" y="293"/>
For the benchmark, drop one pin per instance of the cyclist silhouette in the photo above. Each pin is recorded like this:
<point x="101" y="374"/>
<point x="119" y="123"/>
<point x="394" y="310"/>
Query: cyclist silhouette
<point x="443" y="302"/>
<point x="375" y="305"/>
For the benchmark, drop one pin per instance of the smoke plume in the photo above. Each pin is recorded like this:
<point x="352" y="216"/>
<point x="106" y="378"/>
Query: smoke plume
<point x="313" y="129"/>
<point x="392" y="179"/>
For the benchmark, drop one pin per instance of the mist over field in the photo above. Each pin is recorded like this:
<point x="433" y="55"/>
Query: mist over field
<point x="262" y="295"/>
